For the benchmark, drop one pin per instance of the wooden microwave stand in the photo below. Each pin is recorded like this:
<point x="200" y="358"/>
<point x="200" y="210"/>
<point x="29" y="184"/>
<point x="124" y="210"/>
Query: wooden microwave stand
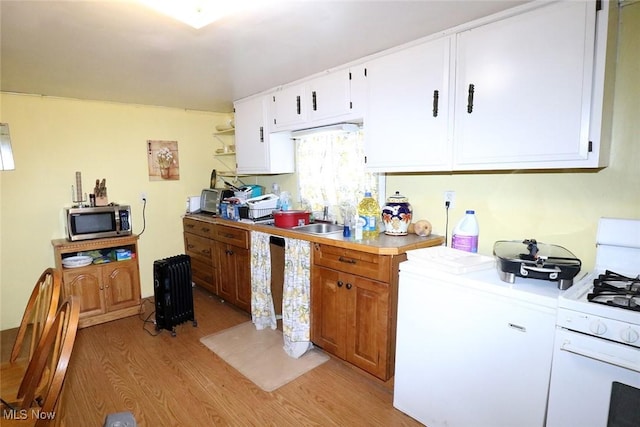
<point x="106" y="291"/>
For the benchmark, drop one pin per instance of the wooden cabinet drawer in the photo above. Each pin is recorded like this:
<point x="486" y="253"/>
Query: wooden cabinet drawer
<point x="200" y="228"/>
<point x="232" y="236"/>
<point x="377" y="267"/>
<point x="198" y="248"/>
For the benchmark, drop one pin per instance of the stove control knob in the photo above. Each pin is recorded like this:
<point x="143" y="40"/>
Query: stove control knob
<point x="597" y="327"/>
<point x="629" y="335"/>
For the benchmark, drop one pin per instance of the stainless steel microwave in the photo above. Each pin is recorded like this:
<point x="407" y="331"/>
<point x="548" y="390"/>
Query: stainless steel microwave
<point x="98" y="222"/>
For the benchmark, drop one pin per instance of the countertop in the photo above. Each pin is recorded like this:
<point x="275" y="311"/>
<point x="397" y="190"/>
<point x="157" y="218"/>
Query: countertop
<point x="383" y="245"/>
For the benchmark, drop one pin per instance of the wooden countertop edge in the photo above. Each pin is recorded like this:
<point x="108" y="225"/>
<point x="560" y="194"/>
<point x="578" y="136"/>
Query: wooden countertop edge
<point x="376" y="246"/>
<point x="57" y="243"/>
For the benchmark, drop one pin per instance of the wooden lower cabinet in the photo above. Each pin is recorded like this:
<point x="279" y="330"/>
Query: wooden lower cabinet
<point x="220" y="260"/>
<point x="106" y="291"/>
<point x="203" y="268"/>
<point x="353" y="314"/>
<point x="350" y="318"/>
<point x="235" y="275"/>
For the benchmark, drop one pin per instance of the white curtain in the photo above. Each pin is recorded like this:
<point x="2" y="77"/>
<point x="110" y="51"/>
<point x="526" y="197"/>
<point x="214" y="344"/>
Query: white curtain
<point x="331" y="171"/>
<point x="263" y="314"/>
<point x="296" y="297"/>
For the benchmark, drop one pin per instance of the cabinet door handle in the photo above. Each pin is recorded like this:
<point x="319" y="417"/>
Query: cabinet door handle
<point x="436" y="96"/>
<point x="472" y="89"/>
<point x="229" y="235"/>
<point x="190" y="246"/>
<point x="349" y="286"/>
<point x="347" y="260"/>
<point x="189" y="226"/>
<point x="340" y="283"/>
<point x="314" y="101"/>
<point x="298" y="104"/>
<point x="206" y="230"/>
<point x="261" y="134"/>
<point x="206" y="251"/>
<point x="228" y="252"/>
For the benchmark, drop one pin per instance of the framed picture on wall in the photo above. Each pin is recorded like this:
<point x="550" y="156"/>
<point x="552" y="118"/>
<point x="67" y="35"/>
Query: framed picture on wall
<point x="163" y="160"/>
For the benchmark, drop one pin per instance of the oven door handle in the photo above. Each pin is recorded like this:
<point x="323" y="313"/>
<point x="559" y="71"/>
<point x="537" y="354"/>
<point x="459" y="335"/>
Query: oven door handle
<point x="625" y="364"/>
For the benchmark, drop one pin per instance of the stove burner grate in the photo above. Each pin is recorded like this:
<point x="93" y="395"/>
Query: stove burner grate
<point x="616" y="290"/>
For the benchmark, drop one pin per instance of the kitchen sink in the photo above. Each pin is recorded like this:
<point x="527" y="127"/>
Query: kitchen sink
<point x="319" y="228"/>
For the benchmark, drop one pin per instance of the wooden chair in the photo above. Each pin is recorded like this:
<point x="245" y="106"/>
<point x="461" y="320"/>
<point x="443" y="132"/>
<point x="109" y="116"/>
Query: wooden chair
<point x="38" y="317"/>
<point x="39" y="392"/>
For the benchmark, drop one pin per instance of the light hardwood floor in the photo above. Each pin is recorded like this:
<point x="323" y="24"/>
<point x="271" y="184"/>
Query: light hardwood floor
<point x="176" y="381"/>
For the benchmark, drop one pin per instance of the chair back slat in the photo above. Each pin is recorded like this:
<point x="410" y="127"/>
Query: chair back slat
<point x="39" y="313"/>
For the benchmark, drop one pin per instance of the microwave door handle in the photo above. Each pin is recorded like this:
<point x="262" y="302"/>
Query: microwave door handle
<point x="118" y="221"/>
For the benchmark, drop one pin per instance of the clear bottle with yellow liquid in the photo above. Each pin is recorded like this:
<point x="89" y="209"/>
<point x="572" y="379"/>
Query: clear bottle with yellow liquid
<point x="369" y="216"/>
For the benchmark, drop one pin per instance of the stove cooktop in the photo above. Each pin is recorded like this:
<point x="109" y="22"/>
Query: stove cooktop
<point x="616" y="290"/>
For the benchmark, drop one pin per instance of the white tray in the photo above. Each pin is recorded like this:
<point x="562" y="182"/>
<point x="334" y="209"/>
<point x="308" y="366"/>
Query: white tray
<point x="453" y="261"/>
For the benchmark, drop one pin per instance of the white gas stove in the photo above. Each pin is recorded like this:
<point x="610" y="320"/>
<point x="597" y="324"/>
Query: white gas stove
<point x="595" y="378"/>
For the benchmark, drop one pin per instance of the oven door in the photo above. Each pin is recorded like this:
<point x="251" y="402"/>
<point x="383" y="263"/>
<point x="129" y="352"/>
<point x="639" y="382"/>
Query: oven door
<point x="594" y="382"/>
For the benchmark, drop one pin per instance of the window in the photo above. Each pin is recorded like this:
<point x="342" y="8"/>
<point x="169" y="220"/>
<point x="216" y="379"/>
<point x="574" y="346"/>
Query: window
<point x="331" y="172"/>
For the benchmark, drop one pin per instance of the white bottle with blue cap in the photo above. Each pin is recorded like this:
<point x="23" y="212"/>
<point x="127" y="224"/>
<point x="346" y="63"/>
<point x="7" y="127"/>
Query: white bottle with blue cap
<point x="465" y="233"/>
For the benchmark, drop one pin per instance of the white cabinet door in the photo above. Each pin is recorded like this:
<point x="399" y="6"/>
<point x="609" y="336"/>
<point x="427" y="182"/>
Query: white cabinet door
<point x="523" y="90"/>
<point x="407" y="116"/>
<point x="251" y="131"/>
<point x="289" y="107"/>
<point x="330" y="95"/>
<point x="257" y="150"/>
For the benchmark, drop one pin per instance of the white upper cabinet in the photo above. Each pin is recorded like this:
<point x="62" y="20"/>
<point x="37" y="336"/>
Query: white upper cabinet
<point x="527" y="88"/>
<point x="257" y="150"/>
<point x="407" y="117"/>
<point x="330" y="95"/>
<point x="321" y="100"/>
<point x="289" y="107"/>
<point x="523" y="90"/>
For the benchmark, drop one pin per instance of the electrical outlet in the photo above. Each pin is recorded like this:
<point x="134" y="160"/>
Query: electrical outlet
<point x="143" y="197"/>
<point x="450" y="196"/>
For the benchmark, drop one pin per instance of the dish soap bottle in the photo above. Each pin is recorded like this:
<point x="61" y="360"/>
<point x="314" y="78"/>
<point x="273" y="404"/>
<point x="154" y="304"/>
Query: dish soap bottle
<point x="465" y="234"/>
<point x="369" y="212"/>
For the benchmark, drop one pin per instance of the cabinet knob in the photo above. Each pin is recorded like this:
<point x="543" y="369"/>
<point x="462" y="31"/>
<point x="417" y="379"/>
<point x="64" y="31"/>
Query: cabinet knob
<point x="349" y="286"/>
<point x="340" y="283"/>
<point x="206" y="230"/>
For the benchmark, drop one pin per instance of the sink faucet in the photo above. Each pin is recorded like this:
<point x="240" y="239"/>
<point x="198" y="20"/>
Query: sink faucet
<point x="325" y="213"/>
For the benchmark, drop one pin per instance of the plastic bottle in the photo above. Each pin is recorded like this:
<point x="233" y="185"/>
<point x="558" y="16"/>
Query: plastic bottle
<point x="369" y="213"/>
<point x="465" y="233"/>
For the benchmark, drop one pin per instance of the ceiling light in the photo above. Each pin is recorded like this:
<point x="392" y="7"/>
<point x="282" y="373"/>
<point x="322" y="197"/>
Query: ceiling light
<point x="198" y="13"/>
